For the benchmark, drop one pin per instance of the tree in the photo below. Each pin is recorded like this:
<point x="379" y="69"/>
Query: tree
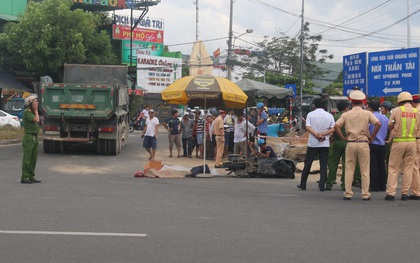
<point x="50" y="34"/>
<point x="279" y="59"/>
<point x="335" y="88"/>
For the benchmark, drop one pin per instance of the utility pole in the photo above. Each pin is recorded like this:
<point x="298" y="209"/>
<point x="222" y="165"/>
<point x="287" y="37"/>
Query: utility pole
<point x="229" y="56"/>
<point x="196" y="20"/>
<point x="302" y="37"/>
<point x="408" y="25"/>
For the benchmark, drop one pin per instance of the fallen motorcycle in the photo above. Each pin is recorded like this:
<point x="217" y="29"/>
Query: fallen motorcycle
<point x="260" y="167"/>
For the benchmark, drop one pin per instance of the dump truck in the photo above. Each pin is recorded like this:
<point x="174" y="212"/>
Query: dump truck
<point x="89" y="107"/>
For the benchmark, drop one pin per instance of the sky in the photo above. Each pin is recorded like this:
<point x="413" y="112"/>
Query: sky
<point x="347" y="26"/>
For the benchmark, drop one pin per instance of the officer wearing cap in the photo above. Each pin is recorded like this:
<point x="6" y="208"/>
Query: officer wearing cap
<point x="356" y="123"/>
<point x="415" y="183"/>
<point x="30" y="140"/>
<point x="404" y="126"/>
<point x="219" y="131"/>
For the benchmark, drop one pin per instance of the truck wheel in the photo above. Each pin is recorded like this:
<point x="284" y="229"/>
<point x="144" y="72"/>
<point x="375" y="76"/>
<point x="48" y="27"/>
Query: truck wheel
<point x="58" y="147"/>
<point x="112" y="147"/>
<point x="47" y="146"/>
<point x="119" y="138"/>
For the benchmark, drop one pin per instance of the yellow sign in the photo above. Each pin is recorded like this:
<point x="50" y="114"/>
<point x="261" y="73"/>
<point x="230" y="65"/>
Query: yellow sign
<point x="203" y="82"/>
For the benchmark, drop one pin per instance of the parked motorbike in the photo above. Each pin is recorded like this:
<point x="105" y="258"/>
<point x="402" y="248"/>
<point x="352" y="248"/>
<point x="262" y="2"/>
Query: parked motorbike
<point x="135" y="124"/>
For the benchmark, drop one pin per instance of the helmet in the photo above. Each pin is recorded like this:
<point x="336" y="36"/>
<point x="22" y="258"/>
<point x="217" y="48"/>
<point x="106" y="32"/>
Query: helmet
<point x="30" y="99"/>
<point x="357" y="95"/>
<point x="404" y="96"/>
<point x="260" y="105"/>
<point x="188" y="109"/>
<point x="261" y="142"/>
<point x="387" y="105"/>
<point x="416" y="98"/>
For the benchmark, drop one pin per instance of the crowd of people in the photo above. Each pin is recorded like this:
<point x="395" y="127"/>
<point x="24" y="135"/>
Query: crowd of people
<point x="222" y="133"/>
<point x="373" y="138"/>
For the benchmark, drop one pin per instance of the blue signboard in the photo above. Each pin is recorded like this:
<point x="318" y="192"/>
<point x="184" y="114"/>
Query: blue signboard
<point x="354" y="72"/>
<point x="393" y="71"/>
<point x="292" y="87"/>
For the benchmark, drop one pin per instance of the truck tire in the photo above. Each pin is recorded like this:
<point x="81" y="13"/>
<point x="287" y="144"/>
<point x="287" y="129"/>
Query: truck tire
<point x="107" y="147"/>
<point x="47" y="146"/>
<point x="112" y="147"/>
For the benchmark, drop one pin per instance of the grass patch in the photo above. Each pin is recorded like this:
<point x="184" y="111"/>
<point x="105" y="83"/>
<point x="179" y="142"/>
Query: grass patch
<point x="10" y="133"/>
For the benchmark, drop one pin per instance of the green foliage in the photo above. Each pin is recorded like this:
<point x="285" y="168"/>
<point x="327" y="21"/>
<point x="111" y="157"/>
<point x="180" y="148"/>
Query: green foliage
<point x="49" y="34"/>
<point x="335" y="88"/>
<point x="135" y="103"/>
<point x="185" y="70"/>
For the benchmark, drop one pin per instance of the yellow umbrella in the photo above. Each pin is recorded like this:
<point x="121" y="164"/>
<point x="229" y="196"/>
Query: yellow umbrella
<point x="205" y="89"/>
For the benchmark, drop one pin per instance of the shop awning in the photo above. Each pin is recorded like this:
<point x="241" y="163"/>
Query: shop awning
<point x="8" y="18"/>
<point x="8" y="81"/>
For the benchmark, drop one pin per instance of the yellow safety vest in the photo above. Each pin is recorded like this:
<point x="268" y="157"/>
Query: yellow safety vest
<point x="407" y="137"/>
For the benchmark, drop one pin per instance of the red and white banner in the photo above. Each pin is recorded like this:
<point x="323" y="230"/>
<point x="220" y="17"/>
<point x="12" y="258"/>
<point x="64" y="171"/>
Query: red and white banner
<point x="139" y="34"/>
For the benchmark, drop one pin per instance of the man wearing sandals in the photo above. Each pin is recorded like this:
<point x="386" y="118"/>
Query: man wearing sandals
<point x="150" y="132"/>
<point x="172" y="125"/>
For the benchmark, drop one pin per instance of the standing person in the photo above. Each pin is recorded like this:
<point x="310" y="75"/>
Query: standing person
<point x="337" y="151"/>
<point x="30" y="140"/>
<point x="199" y="122"/>
<point x="319" y="124"/>
<point x="145" y="113"/>
<point x="187" y="127"/>
<point x="172" y="125"/>
<point x="415" y="183"/>
<point x="230" y="122"/>
<point x="190" y="114"/>
<point x="213" y="134"/>
<point x="404" y="125"/>
<point x="261" y="120"/>
<point x="219" y="131"/>
<point x="386" y="108"/>
<point x="150" y="133"/>
<point x="378" y="150"/>
<point x="356" y="123"/>
<point x="240" y="134"/>
<point x="209" y="148"/>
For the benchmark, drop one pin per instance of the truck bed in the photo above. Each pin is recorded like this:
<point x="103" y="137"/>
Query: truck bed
<point x="78" y="100"/>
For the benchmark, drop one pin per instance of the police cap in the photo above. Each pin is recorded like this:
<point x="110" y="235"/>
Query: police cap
<point x="357" y="95"/>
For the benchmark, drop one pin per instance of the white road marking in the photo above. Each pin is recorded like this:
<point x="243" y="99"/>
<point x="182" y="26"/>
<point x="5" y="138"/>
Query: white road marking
<point x="71" y="233"/>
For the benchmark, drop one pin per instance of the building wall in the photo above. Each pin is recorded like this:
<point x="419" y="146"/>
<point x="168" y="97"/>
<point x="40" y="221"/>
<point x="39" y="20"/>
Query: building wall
<point x="12" y="7"/>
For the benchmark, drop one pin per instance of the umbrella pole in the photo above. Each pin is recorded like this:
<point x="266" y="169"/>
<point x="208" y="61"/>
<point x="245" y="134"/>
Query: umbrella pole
<point x="205" y="138"/>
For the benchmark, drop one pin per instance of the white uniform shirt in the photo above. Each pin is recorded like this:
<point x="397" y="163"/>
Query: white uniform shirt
<point x="320" y="121"/>
<point x="151" y="126"/>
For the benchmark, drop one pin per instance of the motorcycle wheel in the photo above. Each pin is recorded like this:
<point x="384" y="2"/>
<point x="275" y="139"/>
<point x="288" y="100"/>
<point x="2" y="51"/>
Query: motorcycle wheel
<point x="130" y="128"/>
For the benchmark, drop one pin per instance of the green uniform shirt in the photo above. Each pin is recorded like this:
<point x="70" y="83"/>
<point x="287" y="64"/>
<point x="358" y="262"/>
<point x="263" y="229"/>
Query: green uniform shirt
<point x="343" y="129"/>
<point x="30" y="126"/>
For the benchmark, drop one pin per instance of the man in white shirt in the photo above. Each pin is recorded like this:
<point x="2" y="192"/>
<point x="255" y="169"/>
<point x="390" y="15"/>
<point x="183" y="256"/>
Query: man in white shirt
<point x="320" y="124"/>
<point x="150" y="132"/>
<point x="145" y="113"/>
<point x="240" y="134"/>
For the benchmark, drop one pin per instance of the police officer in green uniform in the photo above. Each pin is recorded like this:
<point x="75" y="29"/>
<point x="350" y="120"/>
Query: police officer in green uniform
<point x="30" y="140"/>
<point x="337" y="151"/>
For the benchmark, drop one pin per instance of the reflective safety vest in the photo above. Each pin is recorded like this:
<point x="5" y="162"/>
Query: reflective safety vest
<point x="407" y="137"/>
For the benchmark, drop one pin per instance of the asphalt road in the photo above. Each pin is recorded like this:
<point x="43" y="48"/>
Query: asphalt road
<point x="89" y="208"/>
